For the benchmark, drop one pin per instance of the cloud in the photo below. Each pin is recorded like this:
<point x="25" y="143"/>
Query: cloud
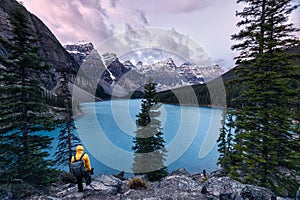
<point x="143" y="17"/>
<point x="74" y="20"/>
<point x="174" y="7"/>
<point x="128" y="27"/>
<point x="139" y="40"/>
<point x="113" y="3"/>
<point x="96" y="20"/>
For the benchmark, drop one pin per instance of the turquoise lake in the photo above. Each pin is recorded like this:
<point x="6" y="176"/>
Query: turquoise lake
<point x="107" y="130"/>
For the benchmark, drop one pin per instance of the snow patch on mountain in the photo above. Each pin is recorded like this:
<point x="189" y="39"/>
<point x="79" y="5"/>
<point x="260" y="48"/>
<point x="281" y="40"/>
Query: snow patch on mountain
<point x="79" y="51"/>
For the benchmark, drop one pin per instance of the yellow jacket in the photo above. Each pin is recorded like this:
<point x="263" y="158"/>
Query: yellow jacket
<point x="85" y="158"/>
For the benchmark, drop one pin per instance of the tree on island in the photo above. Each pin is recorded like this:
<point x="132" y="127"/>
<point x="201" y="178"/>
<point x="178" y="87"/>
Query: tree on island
<point x="67" y="140"/>
<point x="149" y="149"/>
<point x="24" y="111"/>
<point x="266" y="143"/>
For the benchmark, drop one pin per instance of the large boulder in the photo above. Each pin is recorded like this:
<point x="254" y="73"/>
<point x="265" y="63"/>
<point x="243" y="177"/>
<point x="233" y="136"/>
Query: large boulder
<point x="255" y="192"/>
<point x="106" y="184"/>
<point x="172" y="187"/>
<point x="226" y="188"/>
<point x="103" y="187"/>
<point x="179" y="187"/>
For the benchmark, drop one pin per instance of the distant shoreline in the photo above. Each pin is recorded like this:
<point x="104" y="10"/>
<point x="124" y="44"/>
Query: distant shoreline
<point x="175" y="104"/>
<point x="196" y="105"/>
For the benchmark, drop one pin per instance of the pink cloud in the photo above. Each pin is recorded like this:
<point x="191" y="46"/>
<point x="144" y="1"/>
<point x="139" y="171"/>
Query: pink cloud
<point x="95" y="20"/>
<point x="171" y="6"/>
<point x="72" y="21"/>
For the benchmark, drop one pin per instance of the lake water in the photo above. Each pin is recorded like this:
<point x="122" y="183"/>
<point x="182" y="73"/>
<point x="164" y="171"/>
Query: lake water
<point x="107" y="130"/>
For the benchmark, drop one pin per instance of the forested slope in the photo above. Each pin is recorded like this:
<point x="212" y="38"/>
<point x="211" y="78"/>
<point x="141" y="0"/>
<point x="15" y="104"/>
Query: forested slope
<point x="202" y="94"/>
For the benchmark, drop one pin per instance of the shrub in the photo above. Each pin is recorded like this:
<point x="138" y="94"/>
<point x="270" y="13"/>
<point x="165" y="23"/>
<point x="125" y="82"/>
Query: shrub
<point x="137" y="184"/>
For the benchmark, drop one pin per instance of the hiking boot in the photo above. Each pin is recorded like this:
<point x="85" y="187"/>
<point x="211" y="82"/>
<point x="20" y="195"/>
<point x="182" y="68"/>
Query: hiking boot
<point x="88" y="181"/>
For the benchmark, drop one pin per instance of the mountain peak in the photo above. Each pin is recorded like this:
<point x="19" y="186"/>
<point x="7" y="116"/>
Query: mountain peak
<point x="128" y="64"/>
<point x="80" y="47"/>
<point x="80" y="50"/>
<point x="169" y="63"/>
<point x="109" y="58"/>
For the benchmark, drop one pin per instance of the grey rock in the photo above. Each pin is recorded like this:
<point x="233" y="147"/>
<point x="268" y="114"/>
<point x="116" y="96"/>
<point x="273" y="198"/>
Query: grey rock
<point x="5" y="195"/>
<point x="221" y="186"/>
<point x="226" y="188"/>
<point x="179" y="187"/>
<point x="180" y="171"/>
<point x="254" y="192"/>
<point x="106" y="184"/>
<point x="173" y="187"/>
<point x="103" y="187"/>
<point x="180" y="183"/>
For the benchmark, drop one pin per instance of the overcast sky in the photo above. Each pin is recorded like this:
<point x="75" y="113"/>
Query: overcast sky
<point x="208" y="23"/>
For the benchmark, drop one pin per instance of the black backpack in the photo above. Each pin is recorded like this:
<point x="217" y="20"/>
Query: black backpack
<point x="78" y="167"/>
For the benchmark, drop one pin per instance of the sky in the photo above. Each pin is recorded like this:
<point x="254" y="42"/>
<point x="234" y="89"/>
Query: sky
<point x="205" y="24"/>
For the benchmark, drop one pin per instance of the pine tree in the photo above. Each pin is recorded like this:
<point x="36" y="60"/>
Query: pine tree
<point x="265" y="145"/>
<point x="225" y="142"/>
<point x="149" y="146"/>
<point x="67" y="138"/>
<point x="23" y="110"/>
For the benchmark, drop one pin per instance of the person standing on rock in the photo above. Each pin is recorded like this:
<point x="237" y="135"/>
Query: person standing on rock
<point x="83" y="162"/>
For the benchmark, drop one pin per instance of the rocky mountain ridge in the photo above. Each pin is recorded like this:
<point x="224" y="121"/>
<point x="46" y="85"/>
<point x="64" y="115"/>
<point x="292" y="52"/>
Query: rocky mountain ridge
<point x="120" y="78"/>
<point x="79" y="51"/>
<point x="180" y="184"/>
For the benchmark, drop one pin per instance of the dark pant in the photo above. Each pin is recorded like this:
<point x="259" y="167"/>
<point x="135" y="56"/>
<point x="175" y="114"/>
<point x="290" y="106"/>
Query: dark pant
<point x="88" y="180"/>
<point x="79" y="183"/>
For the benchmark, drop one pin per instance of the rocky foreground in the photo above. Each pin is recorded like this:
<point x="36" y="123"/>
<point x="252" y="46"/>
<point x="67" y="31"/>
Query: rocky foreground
<point x="178" y="185"/>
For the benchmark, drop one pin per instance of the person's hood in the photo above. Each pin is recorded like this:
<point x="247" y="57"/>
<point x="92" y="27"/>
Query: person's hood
<point x="79" y="149"/>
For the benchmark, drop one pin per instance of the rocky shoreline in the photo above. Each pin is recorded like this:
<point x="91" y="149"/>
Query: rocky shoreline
<point x="180" y="184"/>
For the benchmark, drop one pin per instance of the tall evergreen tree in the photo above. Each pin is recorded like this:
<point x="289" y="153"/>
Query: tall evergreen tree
<point x="67" y="138"/>
<point x="265" y="144"/>
<point x="225" y="141"/>
<point x="149" y="146"/>
<point x="23" y="110"/>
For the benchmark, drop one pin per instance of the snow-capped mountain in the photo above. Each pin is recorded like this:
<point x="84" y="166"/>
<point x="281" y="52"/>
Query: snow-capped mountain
<point x="114" y="68"/>
<point x="195" y="73"/>
<point x="187" y="73"/>
<point x="149" y="56"/>
<point x="79" y="51"/>
<point x="121" y="77"/>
